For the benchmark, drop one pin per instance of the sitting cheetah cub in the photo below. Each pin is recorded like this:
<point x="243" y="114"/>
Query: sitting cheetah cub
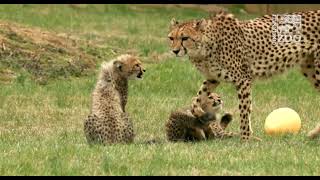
<point x="184" y="126"/>
<point x="108" y="121"/>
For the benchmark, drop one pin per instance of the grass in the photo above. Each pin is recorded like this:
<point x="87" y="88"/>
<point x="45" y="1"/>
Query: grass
<point x="41" y="127"/>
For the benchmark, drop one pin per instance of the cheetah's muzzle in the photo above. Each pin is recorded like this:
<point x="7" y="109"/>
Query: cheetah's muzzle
<point x="216" y="103"/>
<point x="140" y="75"/>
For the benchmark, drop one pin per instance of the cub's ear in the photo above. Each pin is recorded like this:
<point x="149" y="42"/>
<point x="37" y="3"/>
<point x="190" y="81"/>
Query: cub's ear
<point x="118" y="64"/>
<point x="173" y="22"/>
<point x="199" y="24"/>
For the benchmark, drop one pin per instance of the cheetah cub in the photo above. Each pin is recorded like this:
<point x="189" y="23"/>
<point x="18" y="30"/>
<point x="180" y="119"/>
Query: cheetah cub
<point x="108" y="121"/>
<point x="184" y="126"/>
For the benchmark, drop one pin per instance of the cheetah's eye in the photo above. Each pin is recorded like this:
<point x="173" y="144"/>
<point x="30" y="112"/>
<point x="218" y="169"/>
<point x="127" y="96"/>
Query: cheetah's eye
<point x="185" y="38"/>
<point x="210" y="97"/>
<point x="171" y="38"/>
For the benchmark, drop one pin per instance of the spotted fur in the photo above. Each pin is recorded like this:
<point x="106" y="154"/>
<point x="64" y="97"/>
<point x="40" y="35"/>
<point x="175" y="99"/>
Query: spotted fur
<point x="185" y="126"/>
<point x="108" y="121"/>
<point x="226" y="49"/>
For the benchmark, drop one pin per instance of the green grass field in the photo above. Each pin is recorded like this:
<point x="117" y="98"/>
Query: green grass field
<point x="41" y="126"/>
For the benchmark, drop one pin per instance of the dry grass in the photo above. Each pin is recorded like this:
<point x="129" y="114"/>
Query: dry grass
<point x="42" y="53"/>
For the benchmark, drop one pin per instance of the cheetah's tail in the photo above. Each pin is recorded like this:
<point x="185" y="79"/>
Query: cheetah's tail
<point x="315" y="132"/>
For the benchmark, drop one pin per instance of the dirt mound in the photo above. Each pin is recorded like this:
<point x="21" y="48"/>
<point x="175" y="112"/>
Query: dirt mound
<point x="43" y="54"/>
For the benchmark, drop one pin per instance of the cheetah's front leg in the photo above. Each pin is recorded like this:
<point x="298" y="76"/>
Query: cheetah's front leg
<point x="206" y="88"/>
<point x="245" y="107"/>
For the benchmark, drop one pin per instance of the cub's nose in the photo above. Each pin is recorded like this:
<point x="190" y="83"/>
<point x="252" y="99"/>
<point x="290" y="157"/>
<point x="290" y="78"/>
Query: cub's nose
<point x="216" y="103"/>
<point x="176" y="51"/>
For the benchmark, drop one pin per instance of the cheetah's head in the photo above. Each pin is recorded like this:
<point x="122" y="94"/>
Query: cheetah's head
<point x="212" y="104"/>
<point x="124" y="66"/>
<point x="128" y="66"/>
<point x="185" y="37"/>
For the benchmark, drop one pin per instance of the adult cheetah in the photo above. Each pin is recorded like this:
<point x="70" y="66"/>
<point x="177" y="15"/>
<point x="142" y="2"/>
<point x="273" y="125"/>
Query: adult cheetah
<point x="108" y="121"/>
<point x="182" y="125"/>
<point x="225" y="49"/>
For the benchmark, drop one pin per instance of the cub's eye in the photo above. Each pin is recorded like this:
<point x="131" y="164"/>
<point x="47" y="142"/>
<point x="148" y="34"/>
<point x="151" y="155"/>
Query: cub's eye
<point x="171" y="38"/>
<point x="185" y="38"/>
<point x="210" y="97"/>
<point x="137" y="65"/>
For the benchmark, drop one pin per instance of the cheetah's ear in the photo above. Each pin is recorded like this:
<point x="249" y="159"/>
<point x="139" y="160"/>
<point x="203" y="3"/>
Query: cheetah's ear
<point x="200" y="24"/>
<point x="173" y="22"/>
<point x="118" y="64"/>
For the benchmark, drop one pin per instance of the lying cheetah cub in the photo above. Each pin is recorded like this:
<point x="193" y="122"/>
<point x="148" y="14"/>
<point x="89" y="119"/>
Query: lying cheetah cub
<point x="108" y="121"/>
<point x="184" y="126"/>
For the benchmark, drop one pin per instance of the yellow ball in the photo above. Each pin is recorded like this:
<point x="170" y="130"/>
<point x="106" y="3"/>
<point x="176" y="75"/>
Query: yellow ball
<point x="282" y="121"/>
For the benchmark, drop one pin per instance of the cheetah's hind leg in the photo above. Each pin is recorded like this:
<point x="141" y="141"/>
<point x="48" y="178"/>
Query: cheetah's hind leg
<point x="316" y="78"/>
<point x="316" y="75"/>
<point x="310" y="69"/>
